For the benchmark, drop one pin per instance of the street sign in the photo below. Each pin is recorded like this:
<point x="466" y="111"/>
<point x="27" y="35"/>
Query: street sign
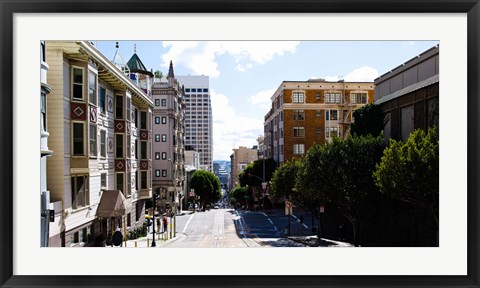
<point x="322" y="209"/>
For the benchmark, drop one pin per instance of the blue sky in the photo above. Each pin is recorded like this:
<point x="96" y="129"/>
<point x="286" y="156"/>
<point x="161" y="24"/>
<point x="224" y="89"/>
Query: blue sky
<point x="244" y="74"/>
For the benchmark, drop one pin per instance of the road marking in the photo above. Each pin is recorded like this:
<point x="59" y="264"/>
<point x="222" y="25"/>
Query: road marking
<point x="271" y="222"/>
<point x="188" y="222"/>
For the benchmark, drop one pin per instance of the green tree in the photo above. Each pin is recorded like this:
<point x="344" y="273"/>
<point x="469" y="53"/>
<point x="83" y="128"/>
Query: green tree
<point x="284" y="179"/>
<point x="207" y="186"/>
<point x="238" y="195"/>
<point x="158" y="74"/>
<point x="408" y="171"/>
<point x="252" y="175"/>
<point x="368" y="120"/>
<point x="340" y="174"/>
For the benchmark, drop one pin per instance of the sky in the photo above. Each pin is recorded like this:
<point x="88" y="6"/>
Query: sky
<point x="245" y="74"/>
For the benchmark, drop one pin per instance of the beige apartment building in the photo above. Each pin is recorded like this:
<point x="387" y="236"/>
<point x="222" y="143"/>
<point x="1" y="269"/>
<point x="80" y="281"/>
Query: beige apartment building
<point x="100" y="129"/>
<point x="240" y="158"/>
<point x="307" y="112"/>
<point x="168" y="145"/>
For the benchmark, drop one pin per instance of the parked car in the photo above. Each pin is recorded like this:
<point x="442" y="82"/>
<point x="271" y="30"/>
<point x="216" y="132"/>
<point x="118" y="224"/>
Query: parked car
<point x="190" y="207"/>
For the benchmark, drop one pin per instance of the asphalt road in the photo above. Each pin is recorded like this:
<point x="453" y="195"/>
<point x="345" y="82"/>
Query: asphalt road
<point x="229" y="228"/>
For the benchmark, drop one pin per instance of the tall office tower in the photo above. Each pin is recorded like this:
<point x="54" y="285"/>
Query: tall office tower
<point x="198" y="118"/>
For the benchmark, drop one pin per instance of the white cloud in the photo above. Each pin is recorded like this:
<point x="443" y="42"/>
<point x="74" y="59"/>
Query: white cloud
<point x="362" y="74"/>
<point x="231" y="130"/>
<point x="262" y="99"/>
<point x="200" y="56"/>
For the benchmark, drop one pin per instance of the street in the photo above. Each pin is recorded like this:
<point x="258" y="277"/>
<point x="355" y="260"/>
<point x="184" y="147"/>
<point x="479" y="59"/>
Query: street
<point x="229" y="228"/>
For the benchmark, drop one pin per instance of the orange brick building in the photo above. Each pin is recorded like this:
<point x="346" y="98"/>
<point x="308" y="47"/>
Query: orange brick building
<point x="307" y="112"/>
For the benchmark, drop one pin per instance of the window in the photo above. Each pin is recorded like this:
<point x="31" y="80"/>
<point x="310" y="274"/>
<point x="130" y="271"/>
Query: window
<point x="318" y="130"/>
<point x="129" y="184"/>
<point x="129" y="146"/>
<point x="129" y="103"/>
<point x="119" y="107"/>
<point x="43" y="110"/>
<point x="319" y="113"/>
<point x="333" y="114"/>
<point x="135" y="116"/>
<point x="103" y="103"/>
<point x="164" y="137"/>
<point x="157" y="137"/>
<point x="164" y="173"/>
<point x="331" y="132"/>
<point x="103" y="181"/>
<point x="93" y="140"/>
<point x="136" y="180"/>
<point x="80" y="195"/>
<point x="42" y="47"/>
<point x="157" y="120"/>
<point x="205" y="90"/>
<point x="317" y="96"/>
<point x="92" y="88"/>
<point x="298" y="97"/>
<point x="298" y="132"/>
<point x="157" y="102"/>
<point x="164" y="155"/>
<point x="157" y="155"/>
<point x="164" y="102"/>
<point x="298" y="149"/>
<point x="157" y="173"/>
<point x="164" y="120"/>
<point x="332" y="98"/>
<point x="119" y="145"/>
<point x="77" y="83"/>
<point x="119" y="182"/>
<point x="78" y="139"/>
<point x="143" y="120"/>
<point x="358" y="98"/>
<point x="144" y="180"/>
<point x="136" y="148"/>
<point x="143" y="150"/>
<point x="298" y="115"/>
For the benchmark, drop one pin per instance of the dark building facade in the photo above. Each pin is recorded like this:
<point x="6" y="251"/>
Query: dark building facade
<point x="409" y="95"/>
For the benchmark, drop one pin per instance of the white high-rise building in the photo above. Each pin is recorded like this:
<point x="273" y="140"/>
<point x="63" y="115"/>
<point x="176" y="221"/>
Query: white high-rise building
<point x="198" y="118"/>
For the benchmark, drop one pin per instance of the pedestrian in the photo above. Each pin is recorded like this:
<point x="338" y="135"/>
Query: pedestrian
<point x="165" y="223"/>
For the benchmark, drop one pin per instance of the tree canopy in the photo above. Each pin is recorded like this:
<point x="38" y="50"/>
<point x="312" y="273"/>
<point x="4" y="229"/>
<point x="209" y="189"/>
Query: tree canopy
<point x="369" y="120"/>
<point x="206" y="185"/>
<point x="409" y="171"/>
<point x="340" y="174"/>
<point x="252" y="175"/>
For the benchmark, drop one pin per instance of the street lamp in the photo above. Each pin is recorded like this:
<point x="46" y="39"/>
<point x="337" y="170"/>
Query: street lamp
<point x="153" y="218"/>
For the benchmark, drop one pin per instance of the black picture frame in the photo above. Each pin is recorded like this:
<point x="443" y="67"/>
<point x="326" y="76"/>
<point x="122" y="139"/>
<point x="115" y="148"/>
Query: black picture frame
<point x="10" y="7"/>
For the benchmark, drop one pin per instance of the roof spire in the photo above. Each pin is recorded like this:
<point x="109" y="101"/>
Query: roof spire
<point x="135" y="48"/>
<point x="170" y="70"/>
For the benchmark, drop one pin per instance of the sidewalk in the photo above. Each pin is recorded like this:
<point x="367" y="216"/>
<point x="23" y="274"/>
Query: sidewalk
<point x="161" y="240"/>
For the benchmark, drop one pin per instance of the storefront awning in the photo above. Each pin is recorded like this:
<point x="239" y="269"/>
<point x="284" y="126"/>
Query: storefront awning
<point x="112" y="204"/>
